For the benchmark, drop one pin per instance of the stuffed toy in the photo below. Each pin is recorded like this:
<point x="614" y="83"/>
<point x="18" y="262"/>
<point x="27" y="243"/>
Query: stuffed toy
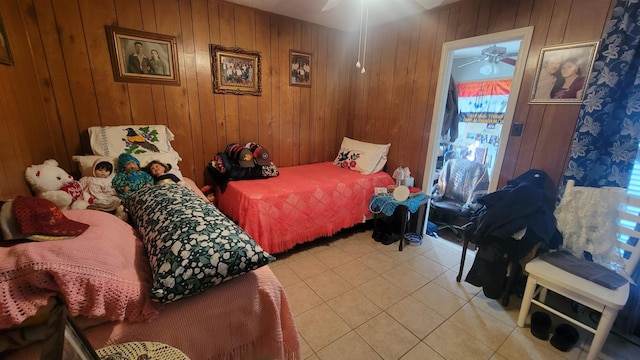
<point x="99" y="188"/>
<point x="51" y="182"/>
<point x="159" y="171"/>
<point x="130" y="178"/>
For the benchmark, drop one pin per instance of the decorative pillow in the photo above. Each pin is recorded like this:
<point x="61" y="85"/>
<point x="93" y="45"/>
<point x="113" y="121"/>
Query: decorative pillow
<point x="85" y="162"/>
<point x="134" y="139"/>
<point x="103" y="273"/>
<point x="367" y="158"/>
<point x="347" y="159"/>
<point x="191" y="245"/>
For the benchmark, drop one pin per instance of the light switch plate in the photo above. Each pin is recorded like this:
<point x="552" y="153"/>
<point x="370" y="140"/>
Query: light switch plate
<point x="516" y="129"/>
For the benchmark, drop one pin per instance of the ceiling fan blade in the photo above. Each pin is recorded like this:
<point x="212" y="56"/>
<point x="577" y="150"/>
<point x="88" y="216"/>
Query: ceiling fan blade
<point x="470" y="62"/>
<point x="509" y="61"/>
<point x="330" y="4"/>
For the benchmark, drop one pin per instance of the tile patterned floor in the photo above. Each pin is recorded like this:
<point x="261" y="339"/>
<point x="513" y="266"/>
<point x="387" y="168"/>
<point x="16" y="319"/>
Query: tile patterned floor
<point x="354" y="298"/>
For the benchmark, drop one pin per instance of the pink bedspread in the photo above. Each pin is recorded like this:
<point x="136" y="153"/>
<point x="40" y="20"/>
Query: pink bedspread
<point x="246" y="318"/>
<point x="102" y="273"/>
<point x="302" y="204"/>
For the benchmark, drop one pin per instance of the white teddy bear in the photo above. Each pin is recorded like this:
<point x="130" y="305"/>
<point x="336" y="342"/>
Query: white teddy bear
<point x="51" y="182"/>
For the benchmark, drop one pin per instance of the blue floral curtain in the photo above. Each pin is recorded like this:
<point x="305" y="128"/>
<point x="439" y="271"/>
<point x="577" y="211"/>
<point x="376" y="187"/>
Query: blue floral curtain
<point x="606" y="138"/>
<point x="605" y="142"/>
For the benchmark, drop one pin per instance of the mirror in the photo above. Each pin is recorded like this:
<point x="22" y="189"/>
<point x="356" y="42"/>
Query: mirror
<point x="486" y="72"/>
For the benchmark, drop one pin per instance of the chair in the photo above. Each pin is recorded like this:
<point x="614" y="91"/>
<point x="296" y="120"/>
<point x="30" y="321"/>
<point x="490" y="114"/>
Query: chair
<point x="460" y="184"/>
<point x="544" y="276"/>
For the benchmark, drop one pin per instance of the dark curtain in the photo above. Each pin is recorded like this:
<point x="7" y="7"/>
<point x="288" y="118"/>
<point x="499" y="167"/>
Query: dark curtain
<point x="605" y="142"/>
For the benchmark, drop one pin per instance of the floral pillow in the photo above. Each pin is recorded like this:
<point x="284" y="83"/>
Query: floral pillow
<point x="191" y="245"/>
<point x="347" y="159"/>
<point x="367" y="158"/>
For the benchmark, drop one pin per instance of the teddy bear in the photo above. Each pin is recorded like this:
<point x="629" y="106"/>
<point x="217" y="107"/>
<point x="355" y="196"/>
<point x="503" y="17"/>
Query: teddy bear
<point x="51" y="182"/>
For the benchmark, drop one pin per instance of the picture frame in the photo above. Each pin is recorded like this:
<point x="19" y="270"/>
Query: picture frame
<point x="577" y="58"/>
<point x="300" y="68"/>
<point x="143" y="57"/>
<point x="236" y="71"/>
<point x="5" y="51"/>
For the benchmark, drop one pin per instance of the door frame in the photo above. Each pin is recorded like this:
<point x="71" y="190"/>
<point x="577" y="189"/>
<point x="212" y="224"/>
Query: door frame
<point x="446" y="63"/>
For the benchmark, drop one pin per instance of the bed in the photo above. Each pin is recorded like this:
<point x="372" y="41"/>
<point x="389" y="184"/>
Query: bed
<point x="247" y="316"/>
<point x="303" y="203"/>
<point x="186" y="276"/>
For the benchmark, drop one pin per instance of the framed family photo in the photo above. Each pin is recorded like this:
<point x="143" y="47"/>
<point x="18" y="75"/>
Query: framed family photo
<point x="143" y="57"/>
<point x="300" y="68"/>
<point x="562" y="73"/>
<point x="5" y="52"/>
<point x="236" y="71"/>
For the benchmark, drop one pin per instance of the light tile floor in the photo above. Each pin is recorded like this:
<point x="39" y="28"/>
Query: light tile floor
<point x="354" y="298"/>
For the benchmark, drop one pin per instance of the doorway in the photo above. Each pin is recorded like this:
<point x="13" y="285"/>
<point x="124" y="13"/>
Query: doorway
<point x="487" y="73"/>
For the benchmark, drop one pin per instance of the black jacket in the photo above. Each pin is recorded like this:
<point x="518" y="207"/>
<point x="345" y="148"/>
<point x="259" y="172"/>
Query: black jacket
<point x="527" y="201"/>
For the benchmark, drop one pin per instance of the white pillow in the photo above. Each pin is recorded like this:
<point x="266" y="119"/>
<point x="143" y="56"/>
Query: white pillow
<point x="85" y="162"/>
<point x="112" y="140"/>
<point x="367" y="158"/>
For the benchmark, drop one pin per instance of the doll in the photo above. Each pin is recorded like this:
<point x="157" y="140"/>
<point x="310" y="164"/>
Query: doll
<point x="130" y="178"/>
<point x="159" y="172"/>
<point x="99" y="188"/>
<point x="210" y="193"/>
<point x="99" y="185"/>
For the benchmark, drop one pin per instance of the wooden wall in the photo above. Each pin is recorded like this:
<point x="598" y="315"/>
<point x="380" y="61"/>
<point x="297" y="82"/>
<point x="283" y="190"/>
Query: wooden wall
<point x="62" y="82"/>
<point x="393" y="100"/>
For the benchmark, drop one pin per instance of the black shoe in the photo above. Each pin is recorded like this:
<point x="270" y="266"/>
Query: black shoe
<point x="564" y="337"/>
<point x="390" y="239"/>
<point x="540" y="325"/>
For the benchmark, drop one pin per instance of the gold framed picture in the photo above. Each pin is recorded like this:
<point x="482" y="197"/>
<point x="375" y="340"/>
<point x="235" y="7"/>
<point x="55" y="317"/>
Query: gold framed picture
<point x="236" y="71"/>
<point x="143" y="57"/>
<point x="562" y="73"/>
<point x="300" y="68"/>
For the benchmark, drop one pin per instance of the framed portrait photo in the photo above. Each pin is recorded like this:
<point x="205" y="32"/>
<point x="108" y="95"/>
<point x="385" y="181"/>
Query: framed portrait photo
<point x="143" y="57"/>
<point x="236" y="71"/>
<point x="562" y="73"/>
<point x="5" y="52"/>
<point x="300" y="68"/>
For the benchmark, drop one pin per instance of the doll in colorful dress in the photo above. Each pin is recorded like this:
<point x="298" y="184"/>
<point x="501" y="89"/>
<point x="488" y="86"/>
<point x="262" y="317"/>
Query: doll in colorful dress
<point x="130" y="178"/>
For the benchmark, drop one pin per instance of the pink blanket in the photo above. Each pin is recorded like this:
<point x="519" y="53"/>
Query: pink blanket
<point x="246" y="318"/>
<point x="302" y="204"/>
<point x="102" y="273"/>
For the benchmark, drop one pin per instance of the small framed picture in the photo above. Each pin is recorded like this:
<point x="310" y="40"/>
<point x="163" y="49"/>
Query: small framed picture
<point x="236" y="71"/>
<point x="300" y="68"/>
<point x="562" y="73"/>
<point x="5" y="51"/>
<point x="143" y="57"/>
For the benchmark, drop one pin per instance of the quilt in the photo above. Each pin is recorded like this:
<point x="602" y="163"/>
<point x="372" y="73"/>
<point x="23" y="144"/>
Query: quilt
<point x="304" y="203"/>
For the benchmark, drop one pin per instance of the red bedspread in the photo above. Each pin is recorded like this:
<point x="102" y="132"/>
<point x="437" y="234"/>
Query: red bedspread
<point x="302" y="204"/>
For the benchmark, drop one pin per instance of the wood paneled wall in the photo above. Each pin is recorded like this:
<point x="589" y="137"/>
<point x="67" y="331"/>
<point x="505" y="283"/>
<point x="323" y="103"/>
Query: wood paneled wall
<point x="393" y="100"/>
<point x="62" y="82"/>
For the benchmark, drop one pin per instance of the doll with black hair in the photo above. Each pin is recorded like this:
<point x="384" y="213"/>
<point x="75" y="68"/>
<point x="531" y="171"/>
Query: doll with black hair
<point x="99" y="187"/>
<point x="160" y="173"/>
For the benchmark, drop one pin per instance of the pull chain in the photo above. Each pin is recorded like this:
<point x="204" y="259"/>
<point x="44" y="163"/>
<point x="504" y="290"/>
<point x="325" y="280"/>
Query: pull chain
<point x="366" y="30"/>
<point x="360" y="36"/>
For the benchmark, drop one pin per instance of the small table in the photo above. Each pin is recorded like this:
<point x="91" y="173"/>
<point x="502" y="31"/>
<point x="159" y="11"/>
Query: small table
<point x="386" y="204"/>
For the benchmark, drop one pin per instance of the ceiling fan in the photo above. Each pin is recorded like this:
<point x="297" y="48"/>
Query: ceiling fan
<point x="493" y="55"/>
